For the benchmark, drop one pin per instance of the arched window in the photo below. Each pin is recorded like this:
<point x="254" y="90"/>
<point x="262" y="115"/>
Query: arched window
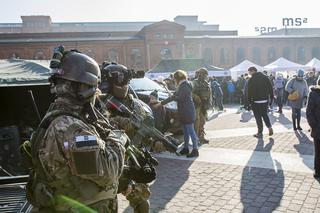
<point x="315" y="52"/>
<point x="271" y="54"/>
<point x="166" y="53"/>
<point x="241" y="55"/>
<point x="39" y="55"/>
<point x="113" y="55"/>
<point x="301" y="56"/>
<point x="256" y="55"/>
<point x="286" y="53"/>
<point x="191" y="52"/>
<point x="136" y="58"/>
<point x="207" y="56"/>
<point x="222" y="57"/>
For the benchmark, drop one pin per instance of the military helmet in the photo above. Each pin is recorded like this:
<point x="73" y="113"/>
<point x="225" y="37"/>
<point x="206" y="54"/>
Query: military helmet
<point x="117" y="74"/>
<point x="202" y="71"/>
<point x="78" y="67"/>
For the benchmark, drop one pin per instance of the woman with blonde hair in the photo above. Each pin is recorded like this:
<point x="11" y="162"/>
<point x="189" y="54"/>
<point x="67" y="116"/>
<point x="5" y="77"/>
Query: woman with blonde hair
<point x="186" y="111"/>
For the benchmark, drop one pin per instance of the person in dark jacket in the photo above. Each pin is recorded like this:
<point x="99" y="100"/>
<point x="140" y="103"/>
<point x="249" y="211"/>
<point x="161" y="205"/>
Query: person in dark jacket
<point x="311" y="79"/>
<point x="217" y="93"/>
<point x="260" y="91"/>
<point x="245" y="93"/>
<point x="278" y="85"/>
<point x="186" y="111"/>
<point x="313" y="117"/>
<point x="158" y="110"/>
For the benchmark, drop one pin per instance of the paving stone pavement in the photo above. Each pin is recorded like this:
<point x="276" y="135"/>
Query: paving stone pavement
<point x="298" y="142"/>
<point x="194" y="186"/>
<point x="186" y="186"/>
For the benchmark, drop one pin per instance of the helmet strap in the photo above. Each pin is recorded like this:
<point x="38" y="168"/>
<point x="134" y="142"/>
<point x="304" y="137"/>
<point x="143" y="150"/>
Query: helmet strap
<point x="86" y="94"/>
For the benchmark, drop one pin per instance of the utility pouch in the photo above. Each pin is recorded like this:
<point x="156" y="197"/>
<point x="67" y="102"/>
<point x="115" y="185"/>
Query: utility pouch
<point x="43" y="195"/>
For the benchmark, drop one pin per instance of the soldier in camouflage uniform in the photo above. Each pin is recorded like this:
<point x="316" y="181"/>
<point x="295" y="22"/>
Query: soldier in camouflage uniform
<point x="76" y="162"/>
<point x="116" y="79"/>
<point x="202" y="98"/>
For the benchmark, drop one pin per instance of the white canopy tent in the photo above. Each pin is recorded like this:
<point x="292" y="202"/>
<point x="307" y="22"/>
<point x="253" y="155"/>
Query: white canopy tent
<point x="242" y="68"/>
<point x="284" y="65"/>
<point x="314" y="64"/>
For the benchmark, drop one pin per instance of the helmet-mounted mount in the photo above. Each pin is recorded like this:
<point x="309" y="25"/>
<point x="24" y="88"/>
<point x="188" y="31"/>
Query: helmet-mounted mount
<point x="119" y="74"/>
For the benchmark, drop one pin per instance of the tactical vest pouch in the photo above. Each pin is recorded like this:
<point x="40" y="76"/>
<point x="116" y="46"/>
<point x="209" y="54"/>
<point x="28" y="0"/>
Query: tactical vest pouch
<point x="204" y="93"/>
<point x="43" y="195"/>
<point x="38" y="193"/>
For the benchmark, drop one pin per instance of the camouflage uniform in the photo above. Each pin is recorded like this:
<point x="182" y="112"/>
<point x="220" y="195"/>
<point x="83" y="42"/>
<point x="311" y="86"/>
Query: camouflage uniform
<point x="138" y="198"/>
<point x="118" y="77"/>
<point x="64" y="155"/>
<point x="202" y="98"/>
<point x="76" y="162"/>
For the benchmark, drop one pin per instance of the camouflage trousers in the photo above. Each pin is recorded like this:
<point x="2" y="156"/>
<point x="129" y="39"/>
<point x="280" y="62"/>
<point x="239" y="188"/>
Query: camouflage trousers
<point x="103" y="206"/>
<point x="199" y="123"/>
<point x="138" y="198"/>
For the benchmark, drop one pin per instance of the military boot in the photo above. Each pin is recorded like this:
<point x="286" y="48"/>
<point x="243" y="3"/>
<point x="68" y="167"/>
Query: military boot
<point x="204" y="141"/>
<point x="194" y="153"/>
<point x="184" y="151"/>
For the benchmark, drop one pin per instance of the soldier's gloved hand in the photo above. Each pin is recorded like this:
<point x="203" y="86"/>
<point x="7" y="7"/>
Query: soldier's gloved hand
<point x="122" y="122"/>
<point x="127" y="126"/>
<point x="127" y="191"/>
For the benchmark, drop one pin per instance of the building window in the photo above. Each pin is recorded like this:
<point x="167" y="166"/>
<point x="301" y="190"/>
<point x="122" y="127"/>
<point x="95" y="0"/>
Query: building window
<point x="113" y="55"/>
<point x="241" y="55"/>
<point x="191" y="52"/>
<point x="271" y="54"/>
<point x="157" y="35"/>
<point x="222" y="57"/>
<point x="171" y="36"/>
<point x="256" y="55"/>
<point x="207" y="56"/>
<point x="39" y="55"/>
<point x="136" y="58"/>
<point x="286" y="53"/>
<point x="315" y="52"/>
<point x="301" y="56"/>
<point x="164" y="36"/>
<point x="166" y="53"/>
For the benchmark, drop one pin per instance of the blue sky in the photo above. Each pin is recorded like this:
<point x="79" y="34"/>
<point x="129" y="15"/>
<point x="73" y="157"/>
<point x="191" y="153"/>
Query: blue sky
<point x="242" y="15"/>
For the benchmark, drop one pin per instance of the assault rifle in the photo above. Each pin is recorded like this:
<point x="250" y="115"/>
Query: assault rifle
<point x="144" y="129"/>
<point x="139" y="162"/>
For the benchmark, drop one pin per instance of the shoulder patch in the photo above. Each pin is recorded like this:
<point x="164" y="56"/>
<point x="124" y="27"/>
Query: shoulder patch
<point x="86" y="140"/>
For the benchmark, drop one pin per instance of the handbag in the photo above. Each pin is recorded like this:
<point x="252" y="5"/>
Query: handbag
<point x="294" y="95"/>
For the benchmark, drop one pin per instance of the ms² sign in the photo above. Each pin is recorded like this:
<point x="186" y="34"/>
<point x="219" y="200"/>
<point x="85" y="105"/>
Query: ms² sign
<point x="286" y="22"/>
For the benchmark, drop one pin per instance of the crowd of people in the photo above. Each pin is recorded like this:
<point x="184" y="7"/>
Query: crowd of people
<point x="81" y="149"/>
<point x="228" y="91"/>
<point x="256" y="91"/>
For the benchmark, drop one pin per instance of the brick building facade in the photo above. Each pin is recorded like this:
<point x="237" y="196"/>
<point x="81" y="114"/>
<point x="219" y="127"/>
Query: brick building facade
<point x="141" y="45"/>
